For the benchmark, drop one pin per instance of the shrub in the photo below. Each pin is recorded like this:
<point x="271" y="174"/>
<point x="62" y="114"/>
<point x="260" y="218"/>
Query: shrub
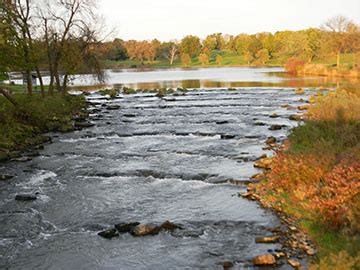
<point x="293" y="65"/>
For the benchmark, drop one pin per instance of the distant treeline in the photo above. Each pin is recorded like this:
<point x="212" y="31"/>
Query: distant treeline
<point x="335" y="37"/>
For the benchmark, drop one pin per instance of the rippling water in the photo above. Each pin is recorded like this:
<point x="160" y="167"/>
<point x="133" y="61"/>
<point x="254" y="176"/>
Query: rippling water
<point x="150" y="161"/>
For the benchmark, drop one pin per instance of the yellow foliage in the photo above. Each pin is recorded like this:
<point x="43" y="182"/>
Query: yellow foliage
<point x="340" y="101"/>
<point x="341" y="261"/>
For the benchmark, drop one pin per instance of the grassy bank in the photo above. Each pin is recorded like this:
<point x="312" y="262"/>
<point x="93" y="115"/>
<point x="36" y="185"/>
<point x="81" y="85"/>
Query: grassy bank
<point x="21" y="126"/>
<point x="229" y="59"/>
<point x="317" y="179"/>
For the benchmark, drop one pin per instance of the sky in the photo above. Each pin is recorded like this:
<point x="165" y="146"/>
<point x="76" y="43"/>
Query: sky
<point x="173" y="19"/>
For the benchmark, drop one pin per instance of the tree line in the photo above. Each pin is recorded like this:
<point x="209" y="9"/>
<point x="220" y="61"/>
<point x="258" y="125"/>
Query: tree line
<point x="56" y="36"/>
<point x="336" y="36"/>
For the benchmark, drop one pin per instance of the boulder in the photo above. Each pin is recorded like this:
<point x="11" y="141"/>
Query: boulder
<point x="126" y="227"/>
<point x="227" y="264"/>
<point x="299" y="91"/>
<point x="259" y="124"/>
<point x="142" y="230"/>
<point x="25" y="197"/>
<point x="109" y="233"/>
<point x="294" y="263"/>
<point x="267" y="259"/>
<point x="267" y="239"/>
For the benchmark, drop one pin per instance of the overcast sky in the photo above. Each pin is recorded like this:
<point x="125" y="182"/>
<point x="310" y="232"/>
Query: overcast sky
<point x="173" y="19"/>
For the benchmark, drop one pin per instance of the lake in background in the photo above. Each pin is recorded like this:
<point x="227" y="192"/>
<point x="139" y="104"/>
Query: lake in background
<point x="207" y="78"/>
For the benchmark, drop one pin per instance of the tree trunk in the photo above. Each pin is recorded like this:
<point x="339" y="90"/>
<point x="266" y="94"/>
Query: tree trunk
<point x="29" y="82"/>
<point x="8" y="97"/>
<point x="64" y="86"/>
<point x="338" y="60"/>
<point x="42" y="89"/>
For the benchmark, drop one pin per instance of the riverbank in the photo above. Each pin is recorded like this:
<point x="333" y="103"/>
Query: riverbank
<point x="314" y="179"/>
<point x="323" y="70"/>
<point x="21" y="126"/>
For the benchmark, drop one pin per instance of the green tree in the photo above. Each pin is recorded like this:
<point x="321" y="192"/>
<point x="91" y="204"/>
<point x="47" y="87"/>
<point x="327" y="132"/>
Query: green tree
<point x="190" y="45"/>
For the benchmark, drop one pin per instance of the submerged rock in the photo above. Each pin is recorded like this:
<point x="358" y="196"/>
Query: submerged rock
<point x="126" y="227"/>
<point x="83" y="124"/>
<point x="267" y="259"/>
<point x="5" y="177"/>
<point x="295" y="117"/>
<point x="169" y="226"/>
<point x="227" y="136"/>
<point x="109" y="233"/>
<point x="112" y="107"/>
<point x="274" y="115"/>
<point x="275" y="127"/>
<point x="25" y="197"/>
<point x="222" y="122"/>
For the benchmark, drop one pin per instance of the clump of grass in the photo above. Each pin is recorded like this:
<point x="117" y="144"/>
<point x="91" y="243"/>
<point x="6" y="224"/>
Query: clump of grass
<point x="128" y="91"/>
<point x="34" y="115"/>
<point x="111" y="92"/>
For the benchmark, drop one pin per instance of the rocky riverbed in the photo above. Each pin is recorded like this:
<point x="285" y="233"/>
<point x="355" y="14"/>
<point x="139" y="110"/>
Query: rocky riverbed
<point x="147" y="159"/>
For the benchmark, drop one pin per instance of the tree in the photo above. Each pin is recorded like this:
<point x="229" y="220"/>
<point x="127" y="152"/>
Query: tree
<point x="168" y="51"/>
<point x="262" y="56"/>
<point x="185" y="59"/>
<point x="204" y="59"/>
<point x="190" y="45"/>
<point x="214" y="42"/>
<point x="219" y="60"/>
<point x="313" y="43"/>
<point x="337" y="31"/>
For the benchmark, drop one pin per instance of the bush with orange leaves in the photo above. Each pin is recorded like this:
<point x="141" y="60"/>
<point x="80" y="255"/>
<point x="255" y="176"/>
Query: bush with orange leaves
<point x="329" y="194"/>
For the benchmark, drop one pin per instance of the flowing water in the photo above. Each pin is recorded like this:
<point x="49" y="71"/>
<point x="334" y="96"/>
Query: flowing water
<point x="150" y="161"/>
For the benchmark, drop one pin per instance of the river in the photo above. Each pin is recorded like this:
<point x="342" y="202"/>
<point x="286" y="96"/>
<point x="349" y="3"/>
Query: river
<point x="180" y="159"/>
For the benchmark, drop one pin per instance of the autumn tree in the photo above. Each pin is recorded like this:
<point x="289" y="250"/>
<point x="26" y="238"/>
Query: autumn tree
<point x="262" y="56"/>
<point x="185" y="59"/>
<point x="337" y="32"/>
<point x="219" y="60"/>
<point x="204" y="59"/>
<point x="190" y="45"/>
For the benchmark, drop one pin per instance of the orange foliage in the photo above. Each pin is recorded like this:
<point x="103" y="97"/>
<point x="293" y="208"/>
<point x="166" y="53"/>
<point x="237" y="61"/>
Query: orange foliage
<point x="293" y="65"/>
<point x="328" y="191"/>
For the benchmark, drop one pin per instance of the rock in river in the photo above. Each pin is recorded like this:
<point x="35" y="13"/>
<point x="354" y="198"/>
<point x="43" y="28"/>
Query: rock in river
<point x="267" y="259"/>
<point x="267" y="239"/>
<point x="264" y="163"/>
<point x="5" y="177"/>
<point x="25" y="197"/>
<point x="270" y="140"/>
<point x="113" y="107"/>
<point x="169" y="226"/>
<point x="143" y="229"/>
<point x="126" y="227"/>
<point x="275" y="127"/>
<point x="109" y="233"/>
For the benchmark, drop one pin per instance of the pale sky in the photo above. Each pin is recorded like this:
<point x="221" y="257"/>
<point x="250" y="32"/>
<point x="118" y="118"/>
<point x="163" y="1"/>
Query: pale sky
<point x="173" y="19"/>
